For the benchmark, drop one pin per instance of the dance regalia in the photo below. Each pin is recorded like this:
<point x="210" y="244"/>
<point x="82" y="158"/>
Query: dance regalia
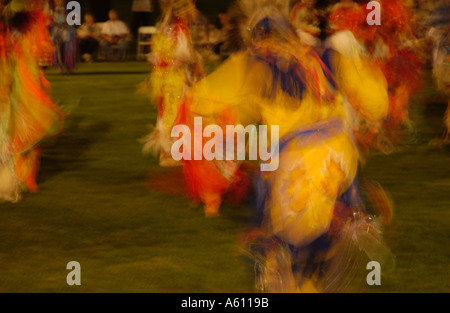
<point x="402" y="66"/>
<point x="387" y="47"/>
<point x="173" y="61"/>
<point x="313" y="195"/>
<point x="28" y="114"/>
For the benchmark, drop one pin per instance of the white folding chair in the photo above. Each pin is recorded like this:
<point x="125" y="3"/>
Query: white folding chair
<point x="143" y="41"/>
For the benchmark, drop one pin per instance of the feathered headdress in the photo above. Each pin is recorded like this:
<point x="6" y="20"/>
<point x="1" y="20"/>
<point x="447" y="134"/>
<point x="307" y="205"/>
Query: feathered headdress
<point x="264" y="29"/>
<point x="255" y="11"/>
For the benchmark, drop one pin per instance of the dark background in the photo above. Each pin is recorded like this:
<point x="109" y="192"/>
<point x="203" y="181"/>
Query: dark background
<point x="210" y="8"/>
<point x="100" y="8"/>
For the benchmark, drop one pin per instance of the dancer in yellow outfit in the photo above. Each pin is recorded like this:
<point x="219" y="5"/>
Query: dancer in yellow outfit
<point x="175" y="67"/>
<point x="312" y="196"/>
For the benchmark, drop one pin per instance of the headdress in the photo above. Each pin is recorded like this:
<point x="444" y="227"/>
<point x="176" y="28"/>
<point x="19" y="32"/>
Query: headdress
<point x="265" y="30"/>
<point x="257" y="11"/>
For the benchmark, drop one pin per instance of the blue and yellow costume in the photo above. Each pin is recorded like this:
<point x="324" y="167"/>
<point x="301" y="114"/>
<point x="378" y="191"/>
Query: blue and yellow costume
<point x="277" y="81"/>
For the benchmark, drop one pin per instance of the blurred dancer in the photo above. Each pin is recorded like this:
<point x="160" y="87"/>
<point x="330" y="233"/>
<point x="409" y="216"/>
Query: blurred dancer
<point x="27" y="113"/>
<point x="311" y="212"/>
<point x="391" y="47"/>
<point x="175" y="67"/>
<point x="402" y="63"/>
<point x="64" y="37"/>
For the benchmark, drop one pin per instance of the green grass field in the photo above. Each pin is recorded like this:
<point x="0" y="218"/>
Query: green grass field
<point x="99" y="204"/>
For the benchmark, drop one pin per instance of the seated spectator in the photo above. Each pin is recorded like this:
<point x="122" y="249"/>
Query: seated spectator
<point x="89" y="35"/>
<point x="115" y="34"/>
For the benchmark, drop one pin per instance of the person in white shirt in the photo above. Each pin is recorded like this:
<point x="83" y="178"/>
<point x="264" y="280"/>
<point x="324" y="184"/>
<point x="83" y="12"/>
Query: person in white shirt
<point x="142" y="14"/>
<point x="114" y="33"/>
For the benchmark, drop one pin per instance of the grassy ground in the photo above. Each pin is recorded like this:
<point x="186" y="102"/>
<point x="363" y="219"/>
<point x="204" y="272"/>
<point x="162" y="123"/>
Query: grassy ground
<point x="100" y="204"/>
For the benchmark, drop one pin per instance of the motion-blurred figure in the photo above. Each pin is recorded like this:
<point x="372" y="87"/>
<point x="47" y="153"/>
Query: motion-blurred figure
<point x="64" y="37"/>
<point x="176" y="66"/>
<point x="27" y="113"/>
<point x="313" y="221"/>
<point x="392" y="47"/>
